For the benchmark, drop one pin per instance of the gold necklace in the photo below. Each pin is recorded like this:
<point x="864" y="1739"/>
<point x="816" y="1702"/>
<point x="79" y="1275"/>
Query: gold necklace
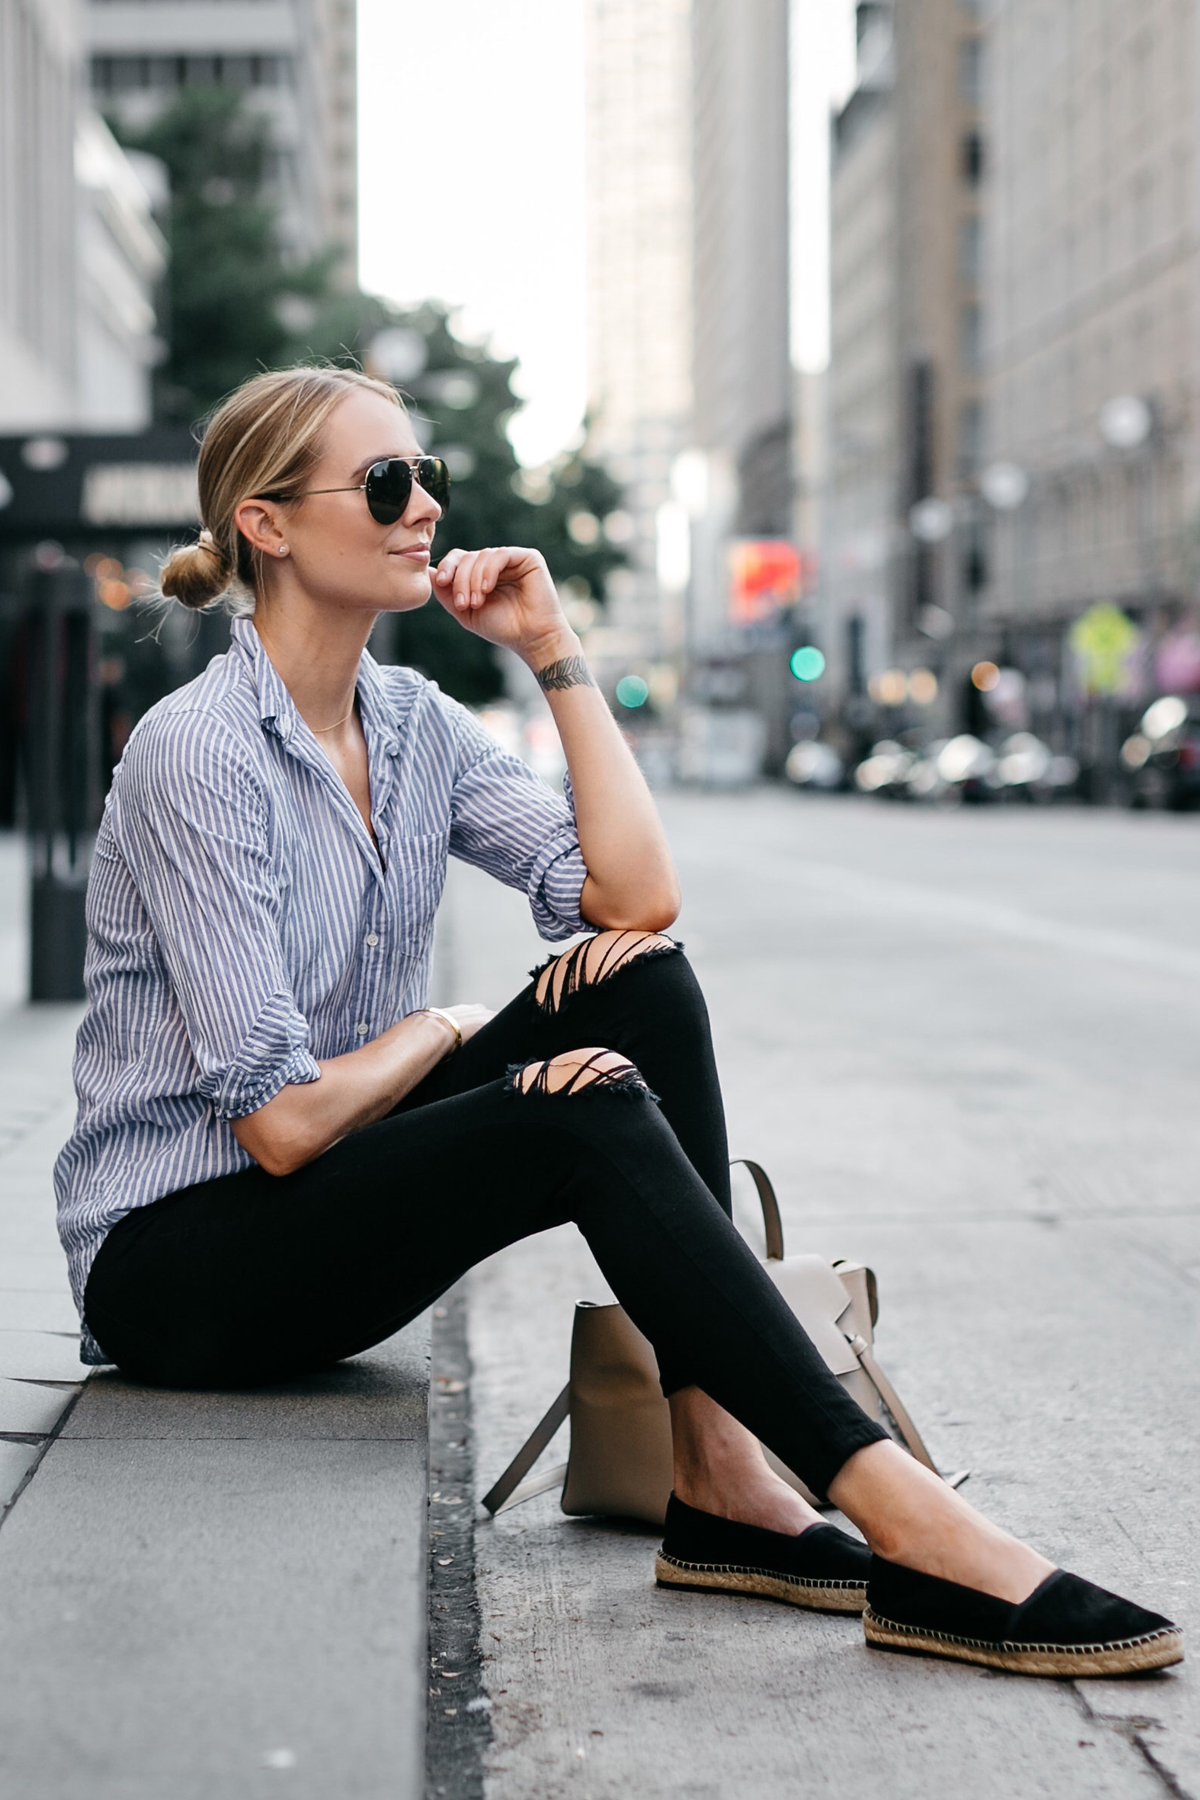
<point x="326" y="729"/>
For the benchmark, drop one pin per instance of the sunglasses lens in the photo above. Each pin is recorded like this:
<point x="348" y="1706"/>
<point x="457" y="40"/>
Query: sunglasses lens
<point x="434" y="477"/>
<point x="388" y="486"/>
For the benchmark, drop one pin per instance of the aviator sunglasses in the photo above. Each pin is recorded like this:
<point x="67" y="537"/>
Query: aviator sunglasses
<point x="388" y="486"/>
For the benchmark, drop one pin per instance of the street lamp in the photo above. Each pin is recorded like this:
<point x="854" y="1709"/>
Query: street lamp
<point x="931" y="520"/>
<point x="1126" y="421"/>
<point x="1004" y="485"/>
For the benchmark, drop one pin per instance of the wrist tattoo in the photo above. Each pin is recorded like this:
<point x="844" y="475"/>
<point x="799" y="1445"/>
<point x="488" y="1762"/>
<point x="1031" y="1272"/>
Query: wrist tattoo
<point x="569" y="671"/>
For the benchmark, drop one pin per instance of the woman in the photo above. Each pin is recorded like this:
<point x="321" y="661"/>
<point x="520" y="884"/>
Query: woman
<point x="282" y="1153"/>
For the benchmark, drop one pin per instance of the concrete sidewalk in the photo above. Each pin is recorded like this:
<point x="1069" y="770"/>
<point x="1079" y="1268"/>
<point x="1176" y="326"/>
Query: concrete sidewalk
<point x="201" y="1595"/>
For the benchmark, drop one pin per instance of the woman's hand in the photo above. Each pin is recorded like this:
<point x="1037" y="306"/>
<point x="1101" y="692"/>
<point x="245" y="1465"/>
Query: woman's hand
<point x="469" y="1017"/>
<point x="507" y="597"/>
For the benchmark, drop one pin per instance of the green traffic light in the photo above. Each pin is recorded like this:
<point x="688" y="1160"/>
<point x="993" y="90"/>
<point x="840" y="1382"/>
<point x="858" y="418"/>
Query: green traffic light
<point x="807" y="663"/>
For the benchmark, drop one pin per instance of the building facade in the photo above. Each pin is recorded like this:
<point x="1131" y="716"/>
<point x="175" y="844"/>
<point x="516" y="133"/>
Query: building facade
<point x="80" y="255"/>
<point x="742" y="379"/>
<point x="1093" y="266"/>
<point x="639" y="286"/>
<point x="906" y="406"/>
<point x="296" y="61"/>
<point x="1015" y="263"/>
<point x="858" y="525"/>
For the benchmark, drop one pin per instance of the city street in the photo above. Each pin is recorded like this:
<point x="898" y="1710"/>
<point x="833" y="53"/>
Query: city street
<point x="964" y="1043"/>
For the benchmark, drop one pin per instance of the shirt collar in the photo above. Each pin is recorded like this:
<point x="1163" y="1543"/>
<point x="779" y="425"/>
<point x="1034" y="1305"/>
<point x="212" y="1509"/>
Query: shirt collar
<point x="277" y="710"/>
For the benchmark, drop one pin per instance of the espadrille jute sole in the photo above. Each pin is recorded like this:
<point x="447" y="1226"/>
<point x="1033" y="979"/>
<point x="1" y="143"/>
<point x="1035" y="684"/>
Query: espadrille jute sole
<point x="1130" y="1656"/>
<point x="762" y="1584"/>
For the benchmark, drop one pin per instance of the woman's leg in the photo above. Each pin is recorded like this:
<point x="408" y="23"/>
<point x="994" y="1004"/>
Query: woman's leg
<point x="637" y="993"/>
<point x="634" y="992"/>
<point x="253" y="1277"/>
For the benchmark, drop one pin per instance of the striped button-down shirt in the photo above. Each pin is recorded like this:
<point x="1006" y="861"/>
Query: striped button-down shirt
<point x="242" y="924"/>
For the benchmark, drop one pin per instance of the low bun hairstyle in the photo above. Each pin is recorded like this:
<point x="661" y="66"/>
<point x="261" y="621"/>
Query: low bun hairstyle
<point x="264" y="439"/>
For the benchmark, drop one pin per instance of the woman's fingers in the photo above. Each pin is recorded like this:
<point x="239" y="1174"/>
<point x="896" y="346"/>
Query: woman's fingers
<point x="469" y="576"/>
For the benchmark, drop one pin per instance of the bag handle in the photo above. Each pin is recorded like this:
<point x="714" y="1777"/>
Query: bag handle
<point x="506" y="1490"/>
<point x="772" y="1222"/>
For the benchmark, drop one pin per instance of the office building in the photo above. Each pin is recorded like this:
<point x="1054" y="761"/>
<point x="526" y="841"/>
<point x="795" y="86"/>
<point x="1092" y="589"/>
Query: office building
<point x="295" y="59"/>
<point x="639" y="284"/>
<point x="80" y="255"/>
<point x="1093" y="269"/>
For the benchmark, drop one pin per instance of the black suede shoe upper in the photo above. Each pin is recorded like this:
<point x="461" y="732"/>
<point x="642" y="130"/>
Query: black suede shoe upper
<point x="822" y="1553"/>
<point x="1065" y="1609"/>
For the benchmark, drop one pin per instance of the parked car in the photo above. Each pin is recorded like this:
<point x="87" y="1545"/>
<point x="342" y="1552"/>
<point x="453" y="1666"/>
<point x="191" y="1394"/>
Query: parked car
<point x="815" y="765"/>
<point x="1162" y="756"/>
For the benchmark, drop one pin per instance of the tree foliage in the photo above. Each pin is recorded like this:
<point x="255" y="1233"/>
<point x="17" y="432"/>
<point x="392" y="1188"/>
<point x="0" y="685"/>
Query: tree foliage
<point x="234" y="304"/>
<point x="224" y="307"/>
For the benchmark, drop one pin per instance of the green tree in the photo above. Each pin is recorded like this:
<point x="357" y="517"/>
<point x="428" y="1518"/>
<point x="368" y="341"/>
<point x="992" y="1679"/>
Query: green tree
<point x="224" y="311"/>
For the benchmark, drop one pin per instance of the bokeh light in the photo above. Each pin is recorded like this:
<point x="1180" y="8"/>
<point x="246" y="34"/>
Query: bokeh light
<point x="889" y="687"/>
<point x="922" y="687"/>
<point x="985" y="675"/>
<point x="807" y="663"/>
<point x="632" y="691"/>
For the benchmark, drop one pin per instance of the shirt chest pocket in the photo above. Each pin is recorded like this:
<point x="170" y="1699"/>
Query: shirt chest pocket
<point x="415" y="879"/>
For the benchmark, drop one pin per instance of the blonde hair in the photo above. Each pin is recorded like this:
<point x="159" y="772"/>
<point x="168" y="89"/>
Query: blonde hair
<point x="264" y="439"/>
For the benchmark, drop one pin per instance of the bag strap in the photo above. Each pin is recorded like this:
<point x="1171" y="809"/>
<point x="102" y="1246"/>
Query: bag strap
<point x="508" y="1490"/>
<point x="772" y="1222"/>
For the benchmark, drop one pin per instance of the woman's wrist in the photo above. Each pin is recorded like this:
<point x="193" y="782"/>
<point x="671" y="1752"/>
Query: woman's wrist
<point x="549" y="655"/>
<point x="448" y="1024"/>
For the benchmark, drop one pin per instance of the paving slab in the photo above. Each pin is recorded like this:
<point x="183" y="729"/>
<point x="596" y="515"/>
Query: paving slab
<point x="40" y="1356"/>
<point x="225" y="1603"/>
<point x="16" y="1460"/>
<point x="370" y="1398"/>
<point x="33" y="1410"/>
<point x="24" y="1309"/>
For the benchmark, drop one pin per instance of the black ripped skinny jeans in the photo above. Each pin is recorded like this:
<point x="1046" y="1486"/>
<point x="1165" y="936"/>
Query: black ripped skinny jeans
<point x="251" y="1277"/>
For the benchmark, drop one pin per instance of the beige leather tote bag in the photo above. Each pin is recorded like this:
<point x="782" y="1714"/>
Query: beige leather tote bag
<point x="620" y="1456"/>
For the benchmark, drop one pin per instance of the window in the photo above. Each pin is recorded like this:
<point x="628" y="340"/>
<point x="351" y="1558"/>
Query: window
<point x="970" y="71"/>
<point x="970" y="335"/>
<point x="970" y="250"/>
<point x="970" y="437"/>
<point x="975" y="559"/>
<point x="972" y="158"/>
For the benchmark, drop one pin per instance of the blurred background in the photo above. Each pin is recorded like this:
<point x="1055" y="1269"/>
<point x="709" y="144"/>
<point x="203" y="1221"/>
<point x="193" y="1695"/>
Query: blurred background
<point x="840" y="358"/>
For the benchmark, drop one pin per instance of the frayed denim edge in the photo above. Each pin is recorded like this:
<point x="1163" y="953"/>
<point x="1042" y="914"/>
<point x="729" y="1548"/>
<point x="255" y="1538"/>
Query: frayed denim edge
<point x="628" y="1082"/>
<point x="552" y="1011"/>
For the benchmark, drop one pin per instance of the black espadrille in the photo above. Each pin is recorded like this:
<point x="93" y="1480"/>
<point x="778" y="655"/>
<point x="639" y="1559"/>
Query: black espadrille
<point x="822" y="1568"/>
<point x="1067" y="1627"/>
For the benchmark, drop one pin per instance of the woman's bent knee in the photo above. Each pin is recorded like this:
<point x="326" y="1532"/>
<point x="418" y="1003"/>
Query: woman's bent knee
<point x="574" y="1070"/>
<point x="595" y="960"/>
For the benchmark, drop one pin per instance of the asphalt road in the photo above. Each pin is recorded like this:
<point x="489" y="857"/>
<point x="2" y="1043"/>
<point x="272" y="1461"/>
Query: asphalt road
<point x="966" y="1046"/>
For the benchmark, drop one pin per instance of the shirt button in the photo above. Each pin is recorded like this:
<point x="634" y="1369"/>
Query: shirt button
<point x="361" y="1029"/>
<point x="372" y="938"/>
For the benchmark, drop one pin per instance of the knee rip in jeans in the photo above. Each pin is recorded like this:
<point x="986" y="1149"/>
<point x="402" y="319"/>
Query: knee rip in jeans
<point x="593" y="960"/>
<point x="574" y="1070"/>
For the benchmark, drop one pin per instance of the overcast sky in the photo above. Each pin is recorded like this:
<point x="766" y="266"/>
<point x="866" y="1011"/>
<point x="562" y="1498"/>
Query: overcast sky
<point x="471" y="178"/>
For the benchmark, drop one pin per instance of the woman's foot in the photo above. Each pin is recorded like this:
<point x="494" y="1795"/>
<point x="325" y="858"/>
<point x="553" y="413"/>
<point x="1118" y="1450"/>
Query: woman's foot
<point x="911" y="1517"/>
<point x="720" y="1470"/>
<point x="1066" y="1628"/>
<point x="821" y="1568"/>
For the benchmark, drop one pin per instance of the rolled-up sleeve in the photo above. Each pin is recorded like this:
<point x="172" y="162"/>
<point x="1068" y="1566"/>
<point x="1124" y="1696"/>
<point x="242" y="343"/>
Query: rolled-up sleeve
<point x="506" y="821"/>
<point x="191" y="824"/>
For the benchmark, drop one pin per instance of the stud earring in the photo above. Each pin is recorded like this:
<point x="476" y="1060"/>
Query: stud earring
<point x="283" y="549"/>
